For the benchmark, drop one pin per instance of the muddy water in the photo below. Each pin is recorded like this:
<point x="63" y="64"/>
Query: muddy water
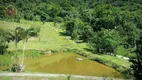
<point x="66" y="63"/>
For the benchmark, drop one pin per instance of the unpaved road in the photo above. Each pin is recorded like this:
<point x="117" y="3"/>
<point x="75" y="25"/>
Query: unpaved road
<point x="54" y="75"/>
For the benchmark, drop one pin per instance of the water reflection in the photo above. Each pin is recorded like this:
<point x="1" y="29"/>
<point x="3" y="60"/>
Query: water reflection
<point x="69" y="65"/>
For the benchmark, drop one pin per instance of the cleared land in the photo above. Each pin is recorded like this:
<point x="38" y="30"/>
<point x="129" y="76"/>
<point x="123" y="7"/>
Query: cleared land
<point x="52" y="39"/>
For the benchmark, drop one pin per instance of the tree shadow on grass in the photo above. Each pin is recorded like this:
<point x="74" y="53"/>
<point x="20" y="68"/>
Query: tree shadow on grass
<point x="63" y="34"/>
<point x="88" y="49"/>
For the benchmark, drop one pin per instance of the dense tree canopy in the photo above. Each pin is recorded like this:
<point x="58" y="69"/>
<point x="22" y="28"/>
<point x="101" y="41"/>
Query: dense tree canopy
<point x="106" y="41"/>
<point x="86" y="20"/>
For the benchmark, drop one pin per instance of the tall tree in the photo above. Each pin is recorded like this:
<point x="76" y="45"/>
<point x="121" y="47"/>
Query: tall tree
<point x="137" y="62"/>
<point x="25" y="34"/>
<point x="105" y="41"/>
<point x="3" y="41"/>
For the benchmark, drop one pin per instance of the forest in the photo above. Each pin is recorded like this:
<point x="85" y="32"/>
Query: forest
<point x="108" y="27"/>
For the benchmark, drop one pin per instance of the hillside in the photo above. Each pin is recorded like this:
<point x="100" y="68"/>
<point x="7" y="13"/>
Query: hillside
<point x="50" y="37"/>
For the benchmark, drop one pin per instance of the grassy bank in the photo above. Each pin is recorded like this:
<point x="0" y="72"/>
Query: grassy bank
<point x="118" y="64"/>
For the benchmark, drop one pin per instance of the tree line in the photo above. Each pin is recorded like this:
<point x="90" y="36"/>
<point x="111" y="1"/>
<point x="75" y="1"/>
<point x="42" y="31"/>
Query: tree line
<point x="99" y="22"/>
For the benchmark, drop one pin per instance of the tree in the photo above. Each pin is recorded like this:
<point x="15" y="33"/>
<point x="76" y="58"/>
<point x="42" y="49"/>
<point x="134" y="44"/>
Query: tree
<point x="86" y="33"/>
<point x="130" y="32"/>
<point x="102" y="17"/>
<point x="57" y="20"/>
<point x="86" y="15"/>
<point x="43" y="19"/>
<point x="15" y="36"/>
<point x="105" y="41"/>
<point x="24" y="35"/>
<point x="53" y="9"/>
<point x="137" y="62"/>
<point x="75" y="28"/>
<point x="2" y="14"/>
<point x="10" y="11"/>
<point x="70" y="26"/>
<point x="3" y="41"/>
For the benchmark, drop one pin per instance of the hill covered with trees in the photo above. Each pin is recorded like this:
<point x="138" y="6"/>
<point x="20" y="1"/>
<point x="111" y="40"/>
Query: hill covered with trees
<point x="108" y="26"/>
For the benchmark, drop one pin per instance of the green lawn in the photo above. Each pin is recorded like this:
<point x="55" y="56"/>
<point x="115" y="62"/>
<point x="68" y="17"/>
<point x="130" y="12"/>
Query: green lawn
<point x="50" y="37"/>
<point x="113" y="59"/>
<point x="119" y="61"/>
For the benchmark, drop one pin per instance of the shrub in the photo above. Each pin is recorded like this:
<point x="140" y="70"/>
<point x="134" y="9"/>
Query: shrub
<point x="5" y="60"/>
<point x="28" y="53"/>
<point x="4" y="39"/>
<point x="131" y="55"/>
<point x="57" y="20"/>
<point x="17" y="68"/>
<point x="121" y="51"/>
<point x="32" y="53"/>
<point x="125" y="52"/>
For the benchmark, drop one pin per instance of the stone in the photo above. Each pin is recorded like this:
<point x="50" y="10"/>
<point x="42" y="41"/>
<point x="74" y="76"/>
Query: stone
<point x="119" y="56"/>
<point x="79" y="59"/>
<point x="126" y="58"/>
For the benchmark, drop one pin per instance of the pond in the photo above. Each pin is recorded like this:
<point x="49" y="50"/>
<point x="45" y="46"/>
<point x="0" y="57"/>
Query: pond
<point x="67" y="63"/>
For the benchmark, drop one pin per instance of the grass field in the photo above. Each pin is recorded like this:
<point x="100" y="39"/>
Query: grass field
<point x="113" y="59"/>
<point x="51" y="39"/>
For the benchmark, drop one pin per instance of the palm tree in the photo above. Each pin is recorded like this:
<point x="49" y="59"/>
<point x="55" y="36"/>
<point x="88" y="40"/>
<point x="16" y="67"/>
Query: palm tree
<point x="14" y="35"/>
<point x="24" y="35"/>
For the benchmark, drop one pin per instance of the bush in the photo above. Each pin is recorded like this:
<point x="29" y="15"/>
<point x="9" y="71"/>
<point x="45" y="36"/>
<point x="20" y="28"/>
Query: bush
<point x="5" y="60"/>
<point x="17" y="67"/>
<point x="28" y="54"/>
<point x="125" y="52"/>
<point x="105" y="41"/>
<point x="3" y="41"/>
<point x="121" y="51"/>
<point x="127" y="73"/>
<point x="131" y="55"/>
<point x="57" y="20"/>
<point x="32" y="53"/>
<point x="36" y="18"/>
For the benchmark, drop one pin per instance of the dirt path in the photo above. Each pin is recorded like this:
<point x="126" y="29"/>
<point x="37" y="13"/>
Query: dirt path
<point x="54" y="75"/>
